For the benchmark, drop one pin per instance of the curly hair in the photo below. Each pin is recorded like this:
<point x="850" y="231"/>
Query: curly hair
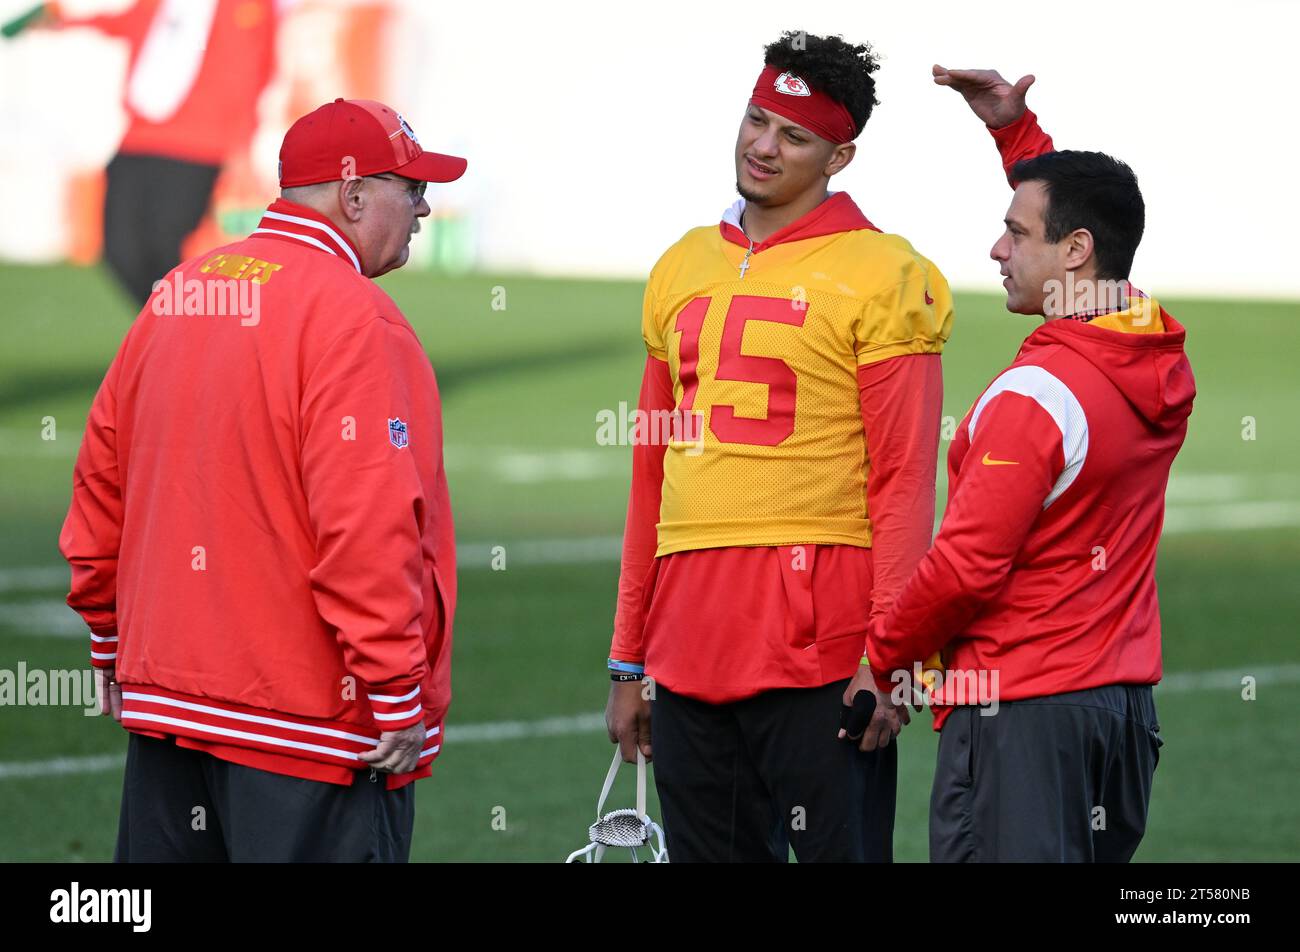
<point x="829" y="64"/>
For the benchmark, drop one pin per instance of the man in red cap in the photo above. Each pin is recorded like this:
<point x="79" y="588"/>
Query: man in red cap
<point x="260" y="532"/>
<point x="798" y="347"/>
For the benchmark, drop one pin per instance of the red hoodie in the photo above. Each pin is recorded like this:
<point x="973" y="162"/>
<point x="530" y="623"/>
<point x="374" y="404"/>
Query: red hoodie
<point x="1044" y="567"/>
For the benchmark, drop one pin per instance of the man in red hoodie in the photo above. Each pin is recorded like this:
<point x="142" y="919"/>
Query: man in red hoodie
<point x="1040" y="587"/>
<point x="260" y="531"/>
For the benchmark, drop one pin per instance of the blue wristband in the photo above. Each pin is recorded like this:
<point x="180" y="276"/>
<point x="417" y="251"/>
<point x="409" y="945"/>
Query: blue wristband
<point x="627" y="667"/>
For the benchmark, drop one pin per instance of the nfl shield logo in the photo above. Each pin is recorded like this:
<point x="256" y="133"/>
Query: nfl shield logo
<point x="397" y="433"/>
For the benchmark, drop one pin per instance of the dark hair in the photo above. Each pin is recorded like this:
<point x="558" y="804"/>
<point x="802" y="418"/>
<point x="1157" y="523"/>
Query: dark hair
<point x="832" y="66"/>
<point x="1094" y="191"/>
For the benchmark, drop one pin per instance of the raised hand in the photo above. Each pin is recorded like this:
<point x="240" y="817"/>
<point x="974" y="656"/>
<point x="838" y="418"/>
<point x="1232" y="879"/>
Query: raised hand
<point x="990" y="96"/>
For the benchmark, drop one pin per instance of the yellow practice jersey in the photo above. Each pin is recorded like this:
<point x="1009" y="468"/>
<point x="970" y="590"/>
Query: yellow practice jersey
<point x="764" y="349"/>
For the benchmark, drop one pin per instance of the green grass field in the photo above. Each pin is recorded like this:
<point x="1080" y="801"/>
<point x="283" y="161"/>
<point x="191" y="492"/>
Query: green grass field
<point x="521" y="388"/>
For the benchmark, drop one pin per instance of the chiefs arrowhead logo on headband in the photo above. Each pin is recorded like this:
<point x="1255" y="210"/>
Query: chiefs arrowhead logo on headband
<point x="791" y="85"/>
<point x="788" y="95"/>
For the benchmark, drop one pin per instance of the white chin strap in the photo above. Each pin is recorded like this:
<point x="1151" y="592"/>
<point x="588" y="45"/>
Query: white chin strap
<point x="629" y="828"/>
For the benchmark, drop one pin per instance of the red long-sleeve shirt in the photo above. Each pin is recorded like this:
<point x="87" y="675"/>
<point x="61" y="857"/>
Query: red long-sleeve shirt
<point x="725" y="623"/>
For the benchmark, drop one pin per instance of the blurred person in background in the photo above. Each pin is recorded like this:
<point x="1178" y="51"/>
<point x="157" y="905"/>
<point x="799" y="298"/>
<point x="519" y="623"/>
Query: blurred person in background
<point x="195" y="72"/>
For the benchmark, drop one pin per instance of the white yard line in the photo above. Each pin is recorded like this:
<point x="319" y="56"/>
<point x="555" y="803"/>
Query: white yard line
<point x="523" y="730"/>
<point x="50" y="617"/>
<point x="558" y="467"/>
<point x="1226" y="487"/>
<point x="1183" y="682"/>
<point x="1228" y="679"/>
<point x="58" y="766"/>
<point x="1232" y="517"/>
<point x="34" y="579"/>
<point x="1179" y="520"/>
<point x="469" y="556"/>
<point x="43" y="618"/>
<point x="465" y="734"/>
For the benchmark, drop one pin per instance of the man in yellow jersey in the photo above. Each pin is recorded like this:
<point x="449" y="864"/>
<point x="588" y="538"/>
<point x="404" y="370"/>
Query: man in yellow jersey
<point x="796" y="346"/>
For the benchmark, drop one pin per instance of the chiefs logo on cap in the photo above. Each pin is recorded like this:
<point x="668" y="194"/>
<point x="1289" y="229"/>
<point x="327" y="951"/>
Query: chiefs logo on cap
<point x="407" y="129"/>
<point x="791" y="85"/>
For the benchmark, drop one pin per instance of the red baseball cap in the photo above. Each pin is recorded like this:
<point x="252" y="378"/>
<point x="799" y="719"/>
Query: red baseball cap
<point x="348" y="138"/>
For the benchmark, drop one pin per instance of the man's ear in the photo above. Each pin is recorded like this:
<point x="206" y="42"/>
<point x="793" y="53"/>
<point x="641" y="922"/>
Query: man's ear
<point x="352" y="198"/>
<point x="840" y="158"/>
<point x="1079" y="249"/>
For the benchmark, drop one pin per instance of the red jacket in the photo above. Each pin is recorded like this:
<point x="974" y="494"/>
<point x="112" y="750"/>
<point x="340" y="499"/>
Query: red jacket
<point x="260" y="532"/>
<point x="1044" y="567"/>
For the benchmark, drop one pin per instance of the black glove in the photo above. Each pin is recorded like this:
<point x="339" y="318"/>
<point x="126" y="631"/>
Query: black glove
<point x="854" y="720"/>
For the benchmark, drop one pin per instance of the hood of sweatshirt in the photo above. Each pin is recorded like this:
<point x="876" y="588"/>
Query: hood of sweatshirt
<point x="1140" y="349"/>
<point x="837" y="213"/>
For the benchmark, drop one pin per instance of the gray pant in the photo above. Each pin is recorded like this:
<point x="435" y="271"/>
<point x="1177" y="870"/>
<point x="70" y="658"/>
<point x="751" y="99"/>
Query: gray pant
<point x="187" y="806"/>
<point x="1062" y="779"/>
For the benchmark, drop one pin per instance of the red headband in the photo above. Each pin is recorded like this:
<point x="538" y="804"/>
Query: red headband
<point x="789" y="96"/>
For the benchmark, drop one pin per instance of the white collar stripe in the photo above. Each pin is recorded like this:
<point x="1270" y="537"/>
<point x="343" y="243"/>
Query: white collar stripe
<point x="306" y="238"/>
<point x="308" y="223"/>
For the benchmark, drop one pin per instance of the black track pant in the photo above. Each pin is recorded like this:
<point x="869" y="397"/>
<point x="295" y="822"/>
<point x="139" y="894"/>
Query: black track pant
<point x="744" y="782"/>
<point x="181" y="805"/>
<point x="1059" y="779"/>
<point x="151" y="204"/>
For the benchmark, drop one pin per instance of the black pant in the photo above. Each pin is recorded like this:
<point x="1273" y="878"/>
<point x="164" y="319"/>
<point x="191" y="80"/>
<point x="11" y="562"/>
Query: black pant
<point x="744" y="782"/>
<point x="151" y="204"/>
<point x="1061" y="779"/>
<point x="187" y="806"/>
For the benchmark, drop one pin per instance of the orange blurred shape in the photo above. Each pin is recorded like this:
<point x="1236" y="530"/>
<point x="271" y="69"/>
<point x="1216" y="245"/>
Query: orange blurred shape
<point x="85" y="206"/>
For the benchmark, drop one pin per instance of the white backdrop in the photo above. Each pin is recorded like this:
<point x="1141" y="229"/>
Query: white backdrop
<point x="598" y="132"/>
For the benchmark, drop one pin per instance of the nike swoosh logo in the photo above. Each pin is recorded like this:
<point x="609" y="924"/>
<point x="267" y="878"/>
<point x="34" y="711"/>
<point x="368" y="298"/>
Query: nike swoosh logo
<point x="987" y="461"/>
